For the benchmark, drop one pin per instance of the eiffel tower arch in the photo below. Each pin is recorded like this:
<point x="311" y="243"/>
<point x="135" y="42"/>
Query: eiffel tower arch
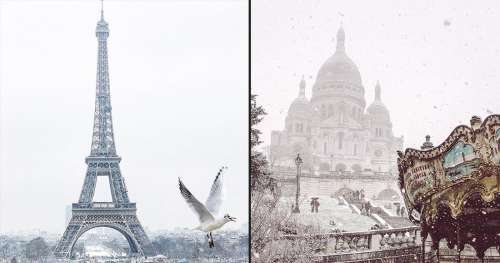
<point x="80" y="224"/>
<point x="120" y="214"/>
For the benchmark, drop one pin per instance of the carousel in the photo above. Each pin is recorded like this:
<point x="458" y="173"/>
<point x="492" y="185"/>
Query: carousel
<point x="453" y="190"/>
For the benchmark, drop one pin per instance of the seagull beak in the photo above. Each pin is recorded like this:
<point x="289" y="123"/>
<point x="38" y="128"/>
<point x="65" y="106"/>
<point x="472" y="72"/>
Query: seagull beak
<point x="232" y="219"/>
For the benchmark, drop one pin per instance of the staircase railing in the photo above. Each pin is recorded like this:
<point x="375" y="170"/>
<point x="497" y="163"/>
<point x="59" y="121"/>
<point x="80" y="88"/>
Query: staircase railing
<point x="348" y="242"/>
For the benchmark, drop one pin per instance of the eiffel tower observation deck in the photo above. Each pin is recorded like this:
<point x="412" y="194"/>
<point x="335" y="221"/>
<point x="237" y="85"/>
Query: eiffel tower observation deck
<point x="120" y="214"/>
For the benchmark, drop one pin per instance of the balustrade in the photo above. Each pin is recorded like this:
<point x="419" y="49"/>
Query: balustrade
<point x="349" y="242"/>
<point x="391" y="245"/>
<point x="286" y="172"/>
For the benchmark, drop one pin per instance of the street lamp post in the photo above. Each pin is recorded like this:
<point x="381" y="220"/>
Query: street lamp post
<point x="298" y="162"/>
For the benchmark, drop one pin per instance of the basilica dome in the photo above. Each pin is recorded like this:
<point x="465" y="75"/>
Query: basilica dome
<point x="300" y="107"/>
<point x="339" y="77"/>
<point x="339" y="67"/>
<point x="377" y="108"/>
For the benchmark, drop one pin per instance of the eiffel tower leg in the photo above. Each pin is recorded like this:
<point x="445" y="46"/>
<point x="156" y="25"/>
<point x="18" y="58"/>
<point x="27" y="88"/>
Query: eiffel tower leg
<point x="88" y="186"/>
<point x="65" y="245"/>
<point x="139" y="235"/>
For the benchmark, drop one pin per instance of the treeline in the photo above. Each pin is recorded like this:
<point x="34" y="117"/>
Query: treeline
<point x="14" y="251"/>
<point x="228" y="246"/>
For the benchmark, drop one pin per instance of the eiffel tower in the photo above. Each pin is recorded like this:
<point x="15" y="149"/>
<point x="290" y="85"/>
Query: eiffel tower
<point x="120" y="214"/>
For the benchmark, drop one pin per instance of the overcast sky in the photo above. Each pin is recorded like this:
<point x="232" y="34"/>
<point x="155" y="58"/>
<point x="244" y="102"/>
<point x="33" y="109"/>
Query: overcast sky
<point x="437" y="61"/>
<point x="179" y="87"/>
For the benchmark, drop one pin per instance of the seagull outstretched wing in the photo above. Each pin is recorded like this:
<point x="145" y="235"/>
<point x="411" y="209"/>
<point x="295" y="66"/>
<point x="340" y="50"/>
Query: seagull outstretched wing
<point x="200" y="210"/>
<point x="214" y="199"/>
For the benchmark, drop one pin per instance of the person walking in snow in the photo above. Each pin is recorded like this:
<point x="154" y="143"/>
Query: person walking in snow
<point x="316" y="205"/>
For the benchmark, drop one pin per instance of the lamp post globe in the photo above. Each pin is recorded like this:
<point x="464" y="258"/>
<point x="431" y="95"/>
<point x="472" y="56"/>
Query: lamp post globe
<point x="298" y="160"/>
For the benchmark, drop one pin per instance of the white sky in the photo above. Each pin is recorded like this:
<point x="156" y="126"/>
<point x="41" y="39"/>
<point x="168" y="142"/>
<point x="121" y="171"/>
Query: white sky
<point x="179" y="85"/>
<point x="433" y="76"/>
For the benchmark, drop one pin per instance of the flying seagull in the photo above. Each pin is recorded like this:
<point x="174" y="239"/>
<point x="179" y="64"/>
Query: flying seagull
<point x="206" y="212"/>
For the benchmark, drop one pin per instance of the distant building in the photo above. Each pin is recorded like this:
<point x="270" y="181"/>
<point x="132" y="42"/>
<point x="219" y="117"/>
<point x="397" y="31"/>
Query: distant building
<point x="334" y="130"/>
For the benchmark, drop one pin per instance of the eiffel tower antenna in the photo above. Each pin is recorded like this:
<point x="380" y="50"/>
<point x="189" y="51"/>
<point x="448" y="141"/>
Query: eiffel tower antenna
<point x="102" y="9"/>
<point x="120" y="214"/>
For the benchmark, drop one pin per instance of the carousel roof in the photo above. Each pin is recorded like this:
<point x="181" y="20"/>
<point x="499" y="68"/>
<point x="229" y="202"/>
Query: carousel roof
<point x="453" y="189"/>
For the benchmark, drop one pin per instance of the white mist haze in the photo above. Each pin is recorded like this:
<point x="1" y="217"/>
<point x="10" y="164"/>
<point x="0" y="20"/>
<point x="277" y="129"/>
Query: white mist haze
<point x="179" y="92"/>
<point x="436" y="61"/>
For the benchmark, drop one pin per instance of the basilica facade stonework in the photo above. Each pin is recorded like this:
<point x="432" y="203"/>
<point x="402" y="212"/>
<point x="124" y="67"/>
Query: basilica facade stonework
<point x="334" y="131"/>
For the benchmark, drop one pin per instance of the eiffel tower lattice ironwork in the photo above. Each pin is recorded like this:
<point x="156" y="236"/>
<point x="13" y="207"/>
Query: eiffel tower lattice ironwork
<point x="120" y="214"/>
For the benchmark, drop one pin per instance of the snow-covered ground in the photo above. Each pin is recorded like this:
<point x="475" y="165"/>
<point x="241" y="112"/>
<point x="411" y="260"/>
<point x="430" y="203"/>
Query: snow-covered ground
<point x="330" y="209"/>
<point x="99" y="251"/>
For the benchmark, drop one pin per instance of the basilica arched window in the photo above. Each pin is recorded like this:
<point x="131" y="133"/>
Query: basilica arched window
<point x="301" y="128"/>
<point x="340" y="140"/>
<point x="342" y="111"/>
<point x="330" y="110"/>
<point x="354" y="150"/>
<point x="323" y="111"/>
<point x="324" y="148"/>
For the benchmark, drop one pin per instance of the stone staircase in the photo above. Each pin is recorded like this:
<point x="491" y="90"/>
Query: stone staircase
<point x="391" y="221"/>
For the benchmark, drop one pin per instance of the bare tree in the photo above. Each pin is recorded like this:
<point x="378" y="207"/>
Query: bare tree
<point x="271" y="217"/>
<point x="277" y="234"/>
<point x="37" y="250"/>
